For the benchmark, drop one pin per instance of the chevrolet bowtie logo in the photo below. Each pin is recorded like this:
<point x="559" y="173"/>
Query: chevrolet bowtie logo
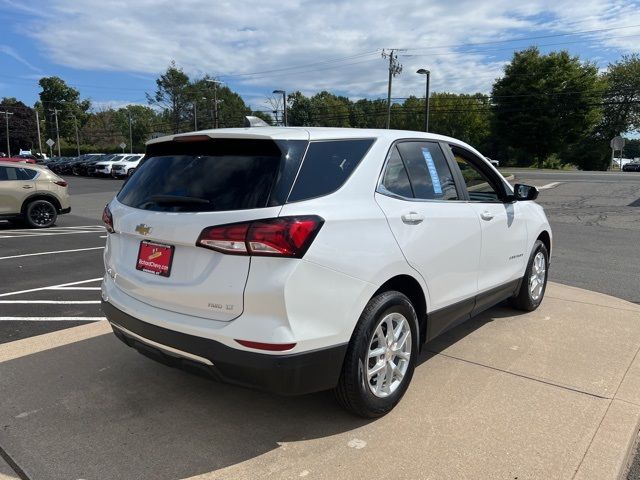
<point x="143" y="229"/>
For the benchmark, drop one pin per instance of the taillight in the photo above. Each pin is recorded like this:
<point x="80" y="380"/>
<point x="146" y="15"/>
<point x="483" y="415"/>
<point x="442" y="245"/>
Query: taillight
<point x="62" y="183"/>
<point x="279" y="237"/>
<point x="107" y="218"/>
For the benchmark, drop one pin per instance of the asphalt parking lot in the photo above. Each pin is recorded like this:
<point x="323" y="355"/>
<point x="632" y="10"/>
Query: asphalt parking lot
<point x="51" y="278"/>
<point x="51" y="282"/>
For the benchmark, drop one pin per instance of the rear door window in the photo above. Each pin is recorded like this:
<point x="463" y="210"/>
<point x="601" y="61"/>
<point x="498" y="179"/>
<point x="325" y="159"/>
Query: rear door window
<point x="396" y="179"/>
<point x="26" y="173"/>
<point x="327" y="166"/>
<point x="429" y="172"/>
<point x="214" y="175"/>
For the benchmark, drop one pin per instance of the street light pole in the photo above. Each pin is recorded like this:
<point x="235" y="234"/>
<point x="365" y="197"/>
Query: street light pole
<point x="6" y="116"/>
<point x="427" y="73"/>
<point x="55" y="112"/>
<point x="130" y="133"/>
<point x="284" y="105"/>
<point x="75" y="124"/>
<point x="38" y="128"/>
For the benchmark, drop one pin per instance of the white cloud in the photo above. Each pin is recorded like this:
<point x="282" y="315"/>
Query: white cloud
<point x="223" y="38"/>
<point x="11" y="52"/>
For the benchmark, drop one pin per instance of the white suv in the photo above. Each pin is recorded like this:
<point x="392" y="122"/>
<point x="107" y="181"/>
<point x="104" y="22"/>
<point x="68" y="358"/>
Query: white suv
<point x="126" y="166"/>
<point x="296" y="260"/>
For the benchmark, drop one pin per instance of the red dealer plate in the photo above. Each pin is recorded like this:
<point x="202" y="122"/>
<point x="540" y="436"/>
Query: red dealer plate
<point x="155" y="258"/>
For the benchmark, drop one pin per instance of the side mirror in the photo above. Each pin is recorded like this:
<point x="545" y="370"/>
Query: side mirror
<point x="524" y="192"/>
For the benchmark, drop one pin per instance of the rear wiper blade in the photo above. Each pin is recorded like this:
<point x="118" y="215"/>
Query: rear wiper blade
<point x="178" y="199"/>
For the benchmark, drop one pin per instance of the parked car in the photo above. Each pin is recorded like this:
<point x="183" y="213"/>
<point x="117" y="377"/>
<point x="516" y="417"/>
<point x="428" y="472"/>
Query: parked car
<point x="103" y="167"/>
<point x="18" y="159"/>
<point x="295" y="260"/>
<point x="633" y="166"/>
<point x="32" y="193"/>
<point x="495" y="163"/>
<point x="126" y="167"/>
<point x="62" y="165"/>
<point x="81" y="167"/>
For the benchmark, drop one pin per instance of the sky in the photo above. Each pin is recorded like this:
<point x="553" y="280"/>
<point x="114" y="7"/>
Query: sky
<point x="113" y="50"/>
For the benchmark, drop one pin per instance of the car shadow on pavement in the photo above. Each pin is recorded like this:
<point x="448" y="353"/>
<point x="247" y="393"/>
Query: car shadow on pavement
<point x="96" y="409"/>
<point x="459" y="332"/>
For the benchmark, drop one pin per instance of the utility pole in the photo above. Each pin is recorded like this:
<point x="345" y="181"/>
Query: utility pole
<point x="75" y="124"/>
<point x="38" y="127"/>
<point x="6" y="117"/>
<point x="195" y="116"/>
<point x="395" y="68"/>
<point x="215" y="101"/>
<point x="55" y="112"/>
<point x="130" y="133"/>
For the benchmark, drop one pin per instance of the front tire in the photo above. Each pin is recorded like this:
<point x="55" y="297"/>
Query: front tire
<point x="534" y="282"/>
<point x="381" y="356"/>
<point x="40" y="214"/>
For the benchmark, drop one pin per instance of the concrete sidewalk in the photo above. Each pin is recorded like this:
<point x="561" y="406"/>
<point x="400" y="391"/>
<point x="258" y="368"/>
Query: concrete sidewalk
<point x="544" y="395"/>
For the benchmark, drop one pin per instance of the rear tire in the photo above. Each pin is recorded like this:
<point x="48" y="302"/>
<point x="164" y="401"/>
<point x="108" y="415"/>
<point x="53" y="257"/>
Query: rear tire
<point x="381" y="356"/>
<point x="40" y="214"/>
<point x="534" y="282"/>
<point x="131" y="172"/>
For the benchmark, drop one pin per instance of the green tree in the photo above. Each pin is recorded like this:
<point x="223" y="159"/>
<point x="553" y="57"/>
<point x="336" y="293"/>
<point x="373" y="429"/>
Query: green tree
<point x="231" y="107"/>
<point x="100" y="131"/>
<point x="462" y="116"/>
<point x="173" y="94"/>
<point x="143" y="121"/>
<point x="299" y="110"/>
<point x="544" y="103"/>
<point x="57" y="95"/>
<point x="330" y="110"/>
<point x="621" y="112"/>
<point x="22" y="126"/>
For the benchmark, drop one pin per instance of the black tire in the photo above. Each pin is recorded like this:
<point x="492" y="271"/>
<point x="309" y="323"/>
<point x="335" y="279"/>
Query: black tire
<point x="131" y="172"/>
<point x="524" y="300"/>
<point x="353" y="391"/>
<point x="40" y="214"/>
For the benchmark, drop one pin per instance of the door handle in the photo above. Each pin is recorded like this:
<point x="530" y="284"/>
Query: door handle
<point x="27" y="186"/>
<point x="412" y="218"/>
<point x="486" y="216"/>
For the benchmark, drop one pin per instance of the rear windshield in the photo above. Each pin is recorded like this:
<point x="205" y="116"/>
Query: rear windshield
<point x="214" y="175"/>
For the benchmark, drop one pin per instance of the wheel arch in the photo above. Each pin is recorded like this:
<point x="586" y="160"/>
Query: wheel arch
<point x="545" y="238"/>
<point x="40" y="196"/>
<point x="409" y="286"/>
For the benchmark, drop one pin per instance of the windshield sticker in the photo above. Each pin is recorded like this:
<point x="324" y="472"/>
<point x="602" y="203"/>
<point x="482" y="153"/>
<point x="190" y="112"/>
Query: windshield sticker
<point x="435" y="179"/>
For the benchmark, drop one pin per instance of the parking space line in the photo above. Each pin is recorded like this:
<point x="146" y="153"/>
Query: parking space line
<point x="53" y="231"/>
<point x="73" y="288"/>
<point x="549" y="185"/>
<point x="51" y="287"/>
<point x="50" y="253"/>
<point x="52" y="302"/>
<point x="51" y="319"/>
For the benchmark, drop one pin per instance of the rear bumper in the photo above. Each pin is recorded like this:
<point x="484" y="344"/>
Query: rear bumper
<point x="293" y="374"/>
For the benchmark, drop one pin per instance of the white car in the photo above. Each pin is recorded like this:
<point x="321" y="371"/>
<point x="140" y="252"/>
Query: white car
<point x="295" y="260"/>
<point x="126" y="167"/>
<point x="103" y="167"/>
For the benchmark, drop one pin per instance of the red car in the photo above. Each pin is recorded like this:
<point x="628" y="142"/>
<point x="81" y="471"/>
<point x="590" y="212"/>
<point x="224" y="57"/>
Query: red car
<point x="18" y="159"/>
